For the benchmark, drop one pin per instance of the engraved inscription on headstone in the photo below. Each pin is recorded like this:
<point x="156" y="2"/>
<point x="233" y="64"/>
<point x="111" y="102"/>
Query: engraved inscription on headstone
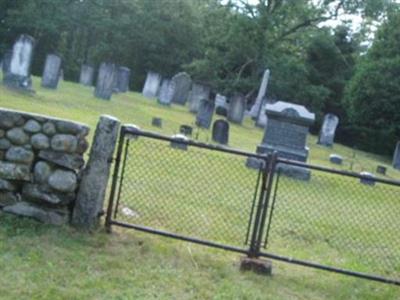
<point x="328" y="129"/>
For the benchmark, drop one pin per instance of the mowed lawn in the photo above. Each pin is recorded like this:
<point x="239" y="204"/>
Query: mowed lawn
<point x="43" y="262"/>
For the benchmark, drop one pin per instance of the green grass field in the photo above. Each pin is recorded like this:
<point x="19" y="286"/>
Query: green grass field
<point x="43" y="262"/>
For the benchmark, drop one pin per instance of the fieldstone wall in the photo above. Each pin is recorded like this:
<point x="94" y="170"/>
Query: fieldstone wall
<point x="41" y="159"/>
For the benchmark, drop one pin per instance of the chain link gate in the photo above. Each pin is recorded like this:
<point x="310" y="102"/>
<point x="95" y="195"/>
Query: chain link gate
<point x="205" y="194"/>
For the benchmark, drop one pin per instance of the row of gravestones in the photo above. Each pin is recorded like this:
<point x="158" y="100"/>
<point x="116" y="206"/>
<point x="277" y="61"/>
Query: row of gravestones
<point x="16" y="71"/>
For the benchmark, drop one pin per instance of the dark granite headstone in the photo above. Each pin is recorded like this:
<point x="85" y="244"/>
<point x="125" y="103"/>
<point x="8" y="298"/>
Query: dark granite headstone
<point x="87" y="75"/>
<point x="51" y="72"/>
<point x="186" y="130"/>
<point x="237" y="107"/>
<point x="199" y="92"/>
<point x="18" y="74"/>
<point x="220" y="132"/>
<point x="367" y="178"/>
<point x="396" y="157"/>
<point x="328" y="128"/>
<point x="181" y="83"/>
<point x="381" y="170"/>
<point x="156" y="122"/>
<point x="152" y="85"/>
<point x="205" y="113"/>
<point x="221" y="111"/>
<point x="166" y="92"/>
<point x="105" y="81"/>
<point x="336" y="159"/>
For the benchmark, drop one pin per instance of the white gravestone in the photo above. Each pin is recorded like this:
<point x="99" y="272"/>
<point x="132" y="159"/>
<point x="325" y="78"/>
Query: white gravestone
<point x="262" y="91"/>
<point x="151" y="85"/>
<point x="328" y="129"/>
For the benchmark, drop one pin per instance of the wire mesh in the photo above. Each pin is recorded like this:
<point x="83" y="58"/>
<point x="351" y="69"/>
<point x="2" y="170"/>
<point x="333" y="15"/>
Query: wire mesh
<point x="338" y="221"/>
<point x="195" y="192"/>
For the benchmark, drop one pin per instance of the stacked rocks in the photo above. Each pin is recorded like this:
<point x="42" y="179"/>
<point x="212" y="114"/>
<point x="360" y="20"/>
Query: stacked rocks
<point x="40" y="161"/>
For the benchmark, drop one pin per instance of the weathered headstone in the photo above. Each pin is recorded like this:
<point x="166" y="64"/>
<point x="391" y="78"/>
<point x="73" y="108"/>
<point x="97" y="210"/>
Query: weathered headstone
<point x="178" y="142"/>
<point x="381" y="170"/>
<point x="205" y="113"/>
<point x="166" y="92"/>
<point x="367" y="178"/>
<point x="123" y="78"/>
<point x="237" y="107"/>
<point x="51" y="72"/>
<point x="199" y="92"/>
<point x="220" y="132"/>
<point x="220" y="101"/>
<point x="396" y="157"/>
<point x="151" y="85"/>
<point x="87" y="75"/>
<point x="327" y="132"/>
<point x="105" y="81"/>
<point x="260" y="100"/>
<point x="286" y="133"/>
<point x="181" y="83"/>
<point x="92" y="189"/>
<point x="18" y="74"/>
<point x="336" y="159"/>
<point x="186" y="130"/>
<point x="156" y="122"/>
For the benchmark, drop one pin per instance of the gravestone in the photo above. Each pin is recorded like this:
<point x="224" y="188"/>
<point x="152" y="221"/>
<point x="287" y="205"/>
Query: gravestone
<point x="381" y="170"/>
<point x="151" y="85"/>
<point x="237" y="107"/>
<point x="186" y="130"/>
<point x="260" y="100"/>
<point x="367" y="178"/>
<point x="123" y="78"/>
<point x="86" y="76"/>
<point x="286" y="133"/>
<point x="328" y="128"/>
<point x="178" y="142"/>
<point x="18" y="75"/>
<point x="262" y="119"/>
<point x="220" y="101"/>
<point x="396" y="157"/>
<point x="220" y="132"/>
<point x="205" y="113"/>
<point x="221" y="111"/>
<point x="166" y="92"/>
<point x="105" y="81"/>
<point x="51" y="72"/>
<point x="199" y="92"/>
<point x="181" y="83"/>
<point x="336" y="159"/>
<point x="156" y="122"/>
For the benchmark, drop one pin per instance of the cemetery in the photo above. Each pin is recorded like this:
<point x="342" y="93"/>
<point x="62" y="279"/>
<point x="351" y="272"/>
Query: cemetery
<point x="125" y="182"/>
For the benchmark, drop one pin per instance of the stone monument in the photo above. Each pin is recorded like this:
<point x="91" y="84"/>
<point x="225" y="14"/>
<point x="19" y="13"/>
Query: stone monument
<point x="237" y="107"/>
<point x="396" y="157"/>
<point x="286" y="133"/>
<point x="86" y="76"/>
<point x="220" y="101"/>
<point x="123" y="78"/>
<point x="205" y="113"/>
<point x="181" y="83"/>
<point x="51" y="72"/>
<point x="260" y="100"/>
<point x="199" y="92"/>
<point x="105" y="81"/>
<point x="328" y="128"/>
<point x="166" y="91"/>
<point x="220" y="132"/>
<point x="18" y="74"/>
<point x="151" y="85"/>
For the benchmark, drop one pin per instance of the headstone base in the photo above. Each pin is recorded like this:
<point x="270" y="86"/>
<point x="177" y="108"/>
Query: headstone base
<point x="18" y="82"/>
<point x="295" y="172"/>
<point x="257" y="265"/>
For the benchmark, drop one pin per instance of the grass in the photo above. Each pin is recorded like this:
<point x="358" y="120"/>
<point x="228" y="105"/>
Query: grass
<point x="43" y="262"/>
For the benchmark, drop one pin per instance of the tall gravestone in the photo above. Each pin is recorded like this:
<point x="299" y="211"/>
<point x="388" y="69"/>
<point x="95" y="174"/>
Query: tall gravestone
<point x="220" y="132"/>
<point x="396" y="157"/>
<point x="205" y="113"/>
<point x="237" y="107"/>
<point x="105" y="81"/>
<point x="123" y="78"/>
<point x="87" y="75"/>
<point x="166" y="91"/>
<point x="286" y="133"/>
<point x="181" y="83"/>
<point x="328" y="129"/>
<point x="199" y="92"/>
<point x="18" y="74"/>
<point x="260" y="100"/>
<point x="151" y="85"/>
<point x="51" y="71"/>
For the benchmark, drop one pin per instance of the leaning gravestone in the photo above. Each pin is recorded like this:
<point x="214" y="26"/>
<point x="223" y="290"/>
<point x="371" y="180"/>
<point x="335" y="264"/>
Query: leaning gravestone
<point x="18" y="74"/>
<point x="237" y="107"/>
<point x="151" y="85"/>
<point x="166" y="92"/>
<point x="205" y="113"/>
<point x="199" y="92"/>
<point x="122" y="79"/>
<point x="51" y="72"/>
<point x="86" y="76"/>
<point x="105" y="81"/>
<point x="260" y="100"/>
<point x="220" y="132"/>
<point x="181" y="83"/>
<point x="286" y="133"/>
<point x="327" y="133"/>
<point x="396" y="157"/>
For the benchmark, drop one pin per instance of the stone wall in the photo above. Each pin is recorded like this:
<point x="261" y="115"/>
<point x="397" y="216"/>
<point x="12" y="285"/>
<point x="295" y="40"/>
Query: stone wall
<point x="41" y="159"/>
